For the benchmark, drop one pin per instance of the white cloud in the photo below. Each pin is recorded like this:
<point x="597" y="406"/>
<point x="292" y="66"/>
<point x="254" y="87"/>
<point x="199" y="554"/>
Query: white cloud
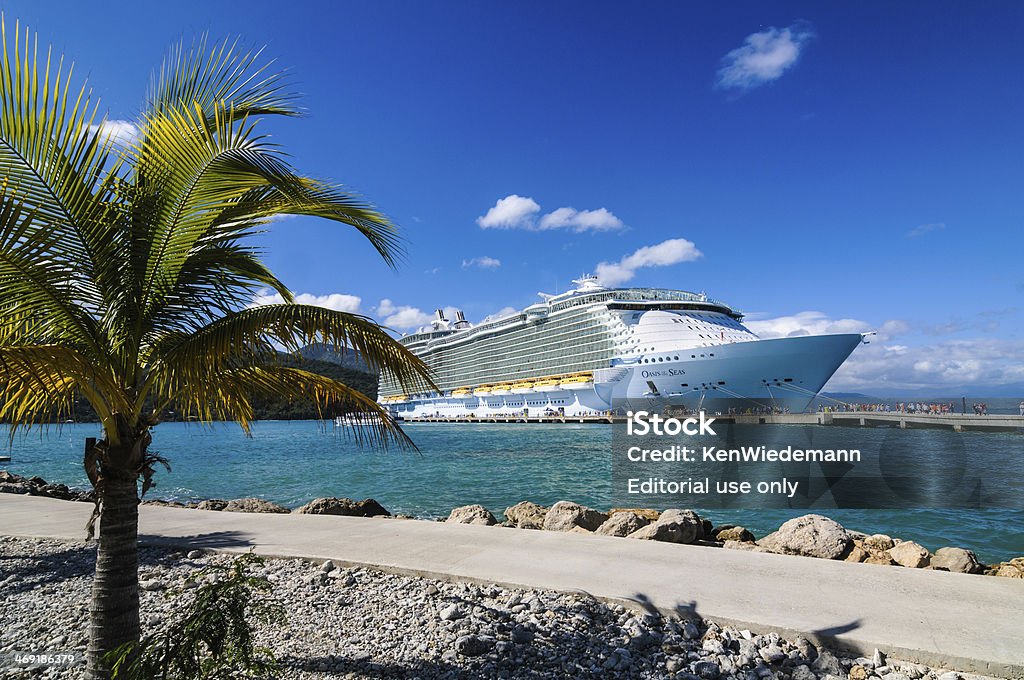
<point x="511" y="212"/>
<point x="580" y="220"/>
<point x="672" y="251"/>
<point x="884" y="365"/>
<point x="520" y="212"/>
<point x="121" y="132"/>
<point x="503" y="312"/>
<point x="957" y="363"/>
<point x="763" y="57"/>
<point x="404" y="317"/>
<point x="336" y="301"/>
<point x="817" y="323"/>
<point x="923" y="229"/>
<point x="483" y="262"/>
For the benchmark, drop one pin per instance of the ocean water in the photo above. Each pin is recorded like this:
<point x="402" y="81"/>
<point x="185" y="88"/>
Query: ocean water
<point x="291" y="462"/>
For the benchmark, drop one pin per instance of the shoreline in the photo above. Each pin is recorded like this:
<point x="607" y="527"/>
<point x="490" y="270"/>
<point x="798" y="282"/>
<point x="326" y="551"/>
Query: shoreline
<point x="809" y="535"/>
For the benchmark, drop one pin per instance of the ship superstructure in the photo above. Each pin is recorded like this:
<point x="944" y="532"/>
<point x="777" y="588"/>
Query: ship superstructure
<point x="593" y="349"/>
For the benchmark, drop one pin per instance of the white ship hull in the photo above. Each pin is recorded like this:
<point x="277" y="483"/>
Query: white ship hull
<point x="785" y="373"/>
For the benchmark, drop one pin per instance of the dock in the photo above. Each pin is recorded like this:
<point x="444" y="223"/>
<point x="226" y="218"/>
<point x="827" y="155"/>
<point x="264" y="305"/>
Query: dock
<point x="956" y="422"/>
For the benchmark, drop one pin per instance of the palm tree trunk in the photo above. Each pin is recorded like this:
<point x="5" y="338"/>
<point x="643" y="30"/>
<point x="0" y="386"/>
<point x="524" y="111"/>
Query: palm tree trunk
<point x="114" y="611"/>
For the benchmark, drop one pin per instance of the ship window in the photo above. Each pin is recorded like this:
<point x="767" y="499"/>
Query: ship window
<point x="676" y="357"/>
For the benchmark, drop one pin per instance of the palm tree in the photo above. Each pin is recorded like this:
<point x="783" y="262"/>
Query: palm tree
<point x="126" y="276"/>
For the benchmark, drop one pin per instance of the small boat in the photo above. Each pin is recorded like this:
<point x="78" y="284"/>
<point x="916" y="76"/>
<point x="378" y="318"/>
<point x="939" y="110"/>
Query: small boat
<point x="461" y="392"/>
<point x="522" y="387"/>
<point x="546" y="385"/>
<point x="482" y="391"/>
<point x="578" y="381"/>
<point x="505" y="388"/>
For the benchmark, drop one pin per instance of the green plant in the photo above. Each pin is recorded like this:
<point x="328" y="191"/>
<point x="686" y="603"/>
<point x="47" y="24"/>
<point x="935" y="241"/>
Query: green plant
<point x="214" y="637"/>
<point x="127" y="273"/>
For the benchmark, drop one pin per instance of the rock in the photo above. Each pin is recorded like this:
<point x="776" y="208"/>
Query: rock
<point x="579" y="530"/>
<point x="451" y="613"/>
<point x="772" y="653"/>
<point x="806" y="648"/>
<point x="856" y="554"/>
<point x="827" y="663"/>
<point x="345" y="507"/>
<point x="159" y="502"/>
<point x="809" y="536"/>
<point x="526" y="515"/>
<point x="474" y="645"/>
<point x="15" y="487"/>
<point x="522" y="635"/>
<point x="194" y="554"/>
<point x="565" y="515"/>
<point x="950" y="675"/>
<point x="909" y="554"/>
<point x="622" y="524"/>
<point x="471" y="514"/>
<point x="1011" y="569"/>
<point x="878" y="542"/>
<point x="709" y="670"/>
<point x="878" y="658"/>
<point x="255" y="505"/>
<point x="895" y="675"/>
<point x="956" y="559"/>
<point x="740" y="545"/>
<point x="151" y="584"/>
<point x="212" y="504"/>
<point x="327" y="567"/>
<point x="673" y="526"/>
<point x="858" y="672"/>
<point x="690" y="631"/>
<point x="674" y="664"/>
<point x="728" y="533"/>
<point x="59" y="491"/>
<point x="646" y="513"/>
<point x="803" y="672"/>
<point x="881" y="558"/>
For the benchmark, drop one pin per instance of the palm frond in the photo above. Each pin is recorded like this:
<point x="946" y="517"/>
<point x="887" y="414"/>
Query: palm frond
<point x="228" y="396"/>
<point x="261" y="330"/>
<point x="224" y="74"/>
<point x="36" y="379"/>
<point x="51" y="155"/>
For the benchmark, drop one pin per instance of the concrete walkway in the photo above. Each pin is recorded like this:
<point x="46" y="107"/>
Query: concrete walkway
<point x="968" y="623"/>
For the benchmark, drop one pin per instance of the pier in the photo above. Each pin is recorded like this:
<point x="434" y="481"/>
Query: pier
<point x="955" y="422"/>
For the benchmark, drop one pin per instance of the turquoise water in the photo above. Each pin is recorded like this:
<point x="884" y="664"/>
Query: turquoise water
<point x="291" y="462"/>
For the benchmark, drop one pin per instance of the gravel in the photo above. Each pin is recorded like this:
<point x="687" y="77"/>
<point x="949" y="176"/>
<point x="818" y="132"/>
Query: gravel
<point x="363" y="623"/>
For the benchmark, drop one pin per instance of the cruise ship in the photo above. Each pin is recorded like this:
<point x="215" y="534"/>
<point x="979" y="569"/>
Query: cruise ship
<point x="595" y="350"/>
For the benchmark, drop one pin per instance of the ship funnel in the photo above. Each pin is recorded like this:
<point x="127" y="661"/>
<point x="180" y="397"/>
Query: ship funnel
<point x="439" y="313"/>
<point x="459" y="316"/>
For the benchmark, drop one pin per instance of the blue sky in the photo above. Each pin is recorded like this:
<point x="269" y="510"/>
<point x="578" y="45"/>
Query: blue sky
<point x="822" y="167"/>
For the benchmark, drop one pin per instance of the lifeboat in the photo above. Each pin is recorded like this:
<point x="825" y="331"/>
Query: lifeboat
<point x="522" y="387"/>
<point x="502" y="389"/>
<point x="578" y="381"/>
<point x="461" y="392"/>
<point x="546" y="385"/>
<point x="482" y="391"/>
